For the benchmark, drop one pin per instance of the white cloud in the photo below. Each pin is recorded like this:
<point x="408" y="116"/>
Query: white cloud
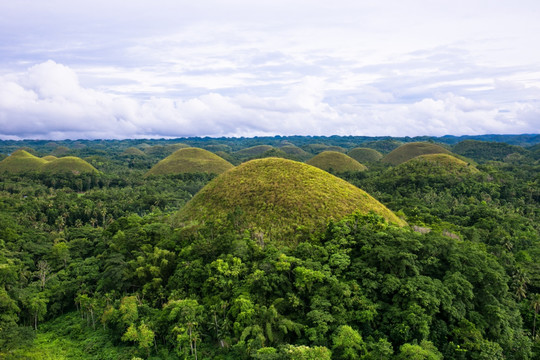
<point x="47" y="101"/>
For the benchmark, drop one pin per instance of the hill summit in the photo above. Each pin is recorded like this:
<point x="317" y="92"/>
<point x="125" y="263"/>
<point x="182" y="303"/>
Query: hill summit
<point x="411" y="150"/>
<point x="363" y="155"/>
<point x="68" y="164"/>
<point x="275" y="197"/>
<point x="21" y="161"/>
<point x="190" y="160"/>
<point x="445" y="162"/>
<point x="336" y="162"/>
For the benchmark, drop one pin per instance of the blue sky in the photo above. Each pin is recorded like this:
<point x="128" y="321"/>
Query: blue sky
<point x="147" y="69"/>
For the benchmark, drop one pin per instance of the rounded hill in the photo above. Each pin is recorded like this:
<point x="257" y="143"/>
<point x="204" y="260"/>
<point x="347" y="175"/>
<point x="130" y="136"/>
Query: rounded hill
<point x="21" y="161"/>
<point x="363" y="155"/>
<point x="133" y="151"/>
<point x="442" y="164"/>
<point x="253" y="151"/>
<point x="190" y="160"/>
<point x="334" y="161"/>
<point x="318" y="148"/>
<point x="411" y="150"/>
<point x="295" y="151"/>
<point x="68" y="164"/>
<point x="274" y="197"/>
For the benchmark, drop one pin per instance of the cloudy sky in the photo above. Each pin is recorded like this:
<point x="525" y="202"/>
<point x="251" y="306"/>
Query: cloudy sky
<point x="72" y="69"/>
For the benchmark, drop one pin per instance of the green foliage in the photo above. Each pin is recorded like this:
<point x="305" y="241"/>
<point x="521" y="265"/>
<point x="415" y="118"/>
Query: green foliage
<point x="93" y="262"/>
<point x="424" y="351"/>
<point x="348" y="343"/>
<point x="308" y="353"/>
<point x="483" y="151"/>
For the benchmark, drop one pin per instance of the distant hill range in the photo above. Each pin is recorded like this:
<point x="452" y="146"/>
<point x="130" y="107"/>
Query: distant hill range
<point x="300" y="147"/>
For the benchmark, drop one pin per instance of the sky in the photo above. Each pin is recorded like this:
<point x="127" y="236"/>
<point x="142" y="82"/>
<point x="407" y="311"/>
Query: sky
<point x="72" y="69"/>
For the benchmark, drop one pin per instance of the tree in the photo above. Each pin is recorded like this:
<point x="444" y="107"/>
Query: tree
<point x="303" y="352"/>
<point x="186" y="315"/>
<point x="425" y="351"/>
<point x="43" y="270"/>
<point x="142" y="335"/>
<point x="37" y="303"/>
<point x="348" y="343"/>
<point x="535" y="305"/>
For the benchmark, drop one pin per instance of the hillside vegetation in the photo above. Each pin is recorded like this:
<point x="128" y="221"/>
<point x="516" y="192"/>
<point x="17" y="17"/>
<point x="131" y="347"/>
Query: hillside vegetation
<point x="408" y="151"/>
<point x="295" y="151"/>
<point x="483" y="151"/>
<point x="133" y="151"/>
<point x="335" y="162"/>
<point x="365" y="155"/>
<point x="262" y="264"/>
<point x="276" y="197"/>
<point x="21" y="161"/>
<point x="253" y="151"/>
<point x="68" y="164"/>
<point x="24" y="162"/>
<point x="190" y="160"/>
<point x="447" y="164"/>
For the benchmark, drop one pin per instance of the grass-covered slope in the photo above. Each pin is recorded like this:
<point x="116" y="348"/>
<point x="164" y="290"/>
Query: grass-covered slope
<point x="443" y="164"/>
<point x="253" y="151"/>
<point x="49" y="158"/>
<point x="363" y="155"/>
<point x="21" y="161"/>
<point x="133" y="151"/>
<point x="190" y="160"/>
<point x="411" y="150"/>
<point x="68" y="164"/>
<point x="274" y="197"/>
<point x="295" y="151"/>
<point x="318" y="148"/>
<point x="336" y="162"/>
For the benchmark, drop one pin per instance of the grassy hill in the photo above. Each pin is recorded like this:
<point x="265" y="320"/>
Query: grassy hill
<point x="335" y="162"/>
<point x="133" y="151"/>
<point x="21" y="161"/>
<point x="318" y="148"/>
<point x="295" y="151"/>
<point x="190" y="160"/>
<point x="68" y="164"/>
<point x="253" y="151"/>
<point x="49" y="157"/>
<point x="363" y="155"/>
<point x="60" y="151"/>
<point x="443" y="164"/>
<point x="411" y="150"/>
<point x="383" y="146"/>
<point x="218" y="147"/>
<point x="275" y="197"/>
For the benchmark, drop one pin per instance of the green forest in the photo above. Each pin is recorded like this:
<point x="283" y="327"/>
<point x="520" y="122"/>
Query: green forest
<point x="382" y="248"/>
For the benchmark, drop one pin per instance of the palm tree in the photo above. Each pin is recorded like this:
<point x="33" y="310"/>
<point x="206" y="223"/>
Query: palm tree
<point x="535" y="305"/>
